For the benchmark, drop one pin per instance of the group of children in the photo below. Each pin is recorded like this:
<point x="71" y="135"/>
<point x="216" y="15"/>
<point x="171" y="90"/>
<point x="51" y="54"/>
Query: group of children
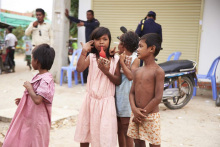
<point x="113" y="103"/>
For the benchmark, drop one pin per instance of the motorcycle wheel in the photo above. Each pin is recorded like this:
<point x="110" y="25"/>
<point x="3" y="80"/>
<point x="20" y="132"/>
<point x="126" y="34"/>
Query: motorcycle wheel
<point x="217" y="102"/>
<point x="181" y="101"/>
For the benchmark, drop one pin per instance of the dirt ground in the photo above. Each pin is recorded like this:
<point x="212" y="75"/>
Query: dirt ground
<point x="195" y="125"/>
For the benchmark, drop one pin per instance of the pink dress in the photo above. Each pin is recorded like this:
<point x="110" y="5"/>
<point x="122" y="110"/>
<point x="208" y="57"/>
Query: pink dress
<point x="97" y="121"/>
<point x="30" y="126"/>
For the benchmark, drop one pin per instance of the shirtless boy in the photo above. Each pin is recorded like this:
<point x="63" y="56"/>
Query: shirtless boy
<point x="146" y="94"/>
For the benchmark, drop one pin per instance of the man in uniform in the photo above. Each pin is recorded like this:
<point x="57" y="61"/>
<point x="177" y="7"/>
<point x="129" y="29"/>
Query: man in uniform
<point x="148" y="25"/>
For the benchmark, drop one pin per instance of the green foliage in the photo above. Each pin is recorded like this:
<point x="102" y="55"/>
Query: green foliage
<point x="19" y="33"/>
<point x="74" y="12"/>
<point x="1" y="34"/>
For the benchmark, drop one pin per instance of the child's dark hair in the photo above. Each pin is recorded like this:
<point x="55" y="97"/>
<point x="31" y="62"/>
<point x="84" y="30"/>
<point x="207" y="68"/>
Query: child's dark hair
<point x="130" y="41"/>
<point x="44" y="54"/>
<point x="153" y="39"/>
<point x="40" y="10"/>
<point x="96" y="34"/>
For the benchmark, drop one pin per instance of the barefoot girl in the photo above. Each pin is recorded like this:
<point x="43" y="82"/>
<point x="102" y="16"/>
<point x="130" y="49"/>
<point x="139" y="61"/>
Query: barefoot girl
<point x="97" y="121"/>
<point x="30" y="126"/>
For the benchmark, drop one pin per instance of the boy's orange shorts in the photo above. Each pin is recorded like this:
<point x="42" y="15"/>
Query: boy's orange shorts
<point x="149" y="129"/>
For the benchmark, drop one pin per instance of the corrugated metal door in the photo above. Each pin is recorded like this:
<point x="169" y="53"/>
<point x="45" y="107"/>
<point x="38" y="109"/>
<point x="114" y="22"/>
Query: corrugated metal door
<point x="179" y="20"/>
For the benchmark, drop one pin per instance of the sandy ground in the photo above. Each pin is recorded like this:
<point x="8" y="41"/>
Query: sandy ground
<point x="195" y="125"/>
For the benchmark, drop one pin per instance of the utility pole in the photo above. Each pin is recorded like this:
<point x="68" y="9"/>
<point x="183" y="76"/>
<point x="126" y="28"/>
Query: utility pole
<point x="60" y="28"/>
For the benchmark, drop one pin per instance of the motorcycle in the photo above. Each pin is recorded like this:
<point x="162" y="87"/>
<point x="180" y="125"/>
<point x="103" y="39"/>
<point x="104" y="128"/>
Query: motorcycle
<point x="178" y="82"/>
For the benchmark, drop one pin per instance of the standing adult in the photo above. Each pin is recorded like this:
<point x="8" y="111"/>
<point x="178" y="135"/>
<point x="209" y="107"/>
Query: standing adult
<point x="148" y="25"/>
<point x="40" y="30"/>
<point x="11" y="43"/>
<point x="90" y="25"/>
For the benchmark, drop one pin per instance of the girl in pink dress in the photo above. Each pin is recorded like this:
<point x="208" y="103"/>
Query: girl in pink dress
<point x="97" y="121"/>
<point x="30" y="126"/>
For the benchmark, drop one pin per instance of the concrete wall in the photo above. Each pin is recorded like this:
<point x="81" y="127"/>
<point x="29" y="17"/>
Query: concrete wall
<point x="210" y="37"/>
<point x="84" y="5"/>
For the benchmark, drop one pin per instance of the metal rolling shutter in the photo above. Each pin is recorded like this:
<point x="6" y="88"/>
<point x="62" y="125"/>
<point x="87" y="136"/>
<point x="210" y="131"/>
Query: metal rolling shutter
<point x="179" y="20"/>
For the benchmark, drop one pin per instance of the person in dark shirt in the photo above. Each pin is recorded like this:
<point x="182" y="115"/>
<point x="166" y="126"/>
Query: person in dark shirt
<point x="148" y="25"/>
<point x="90" y="25"/>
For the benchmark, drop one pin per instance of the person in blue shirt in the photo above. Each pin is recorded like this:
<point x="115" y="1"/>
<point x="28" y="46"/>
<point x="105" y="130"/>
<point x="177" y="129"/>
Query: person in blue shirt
<point x="90" y="25"/>
<point x="148" y="25"/>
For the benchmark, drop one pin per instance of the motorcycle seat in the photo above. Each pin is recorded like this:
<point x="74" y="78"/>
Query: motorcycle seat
<point x="176" y="65"/>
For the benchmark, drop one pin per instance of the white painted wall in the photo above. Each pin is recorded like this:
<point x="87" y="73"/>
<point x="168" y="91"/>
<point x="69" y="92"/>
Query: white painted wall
<point x="210" y="37"/>
<point x="84" y="5"/>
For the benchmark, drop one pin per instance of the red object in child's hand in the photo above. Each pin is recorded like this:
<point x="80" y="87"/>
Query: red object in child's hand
<point x="102" y="53"/>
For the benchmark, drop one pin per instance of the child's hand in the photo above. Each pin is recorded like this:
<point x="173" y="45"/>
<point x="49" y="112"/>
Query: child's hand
<point x="103" y="67"/>
<point x="28" y="86"/>
<point x="87" y="46"/>
<point x="138" y="113"/>
<point x="122" y="58"/>
<point x="17" y="101"/>
<point x="137" y="120"/>
<point x="112" y="51"/>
